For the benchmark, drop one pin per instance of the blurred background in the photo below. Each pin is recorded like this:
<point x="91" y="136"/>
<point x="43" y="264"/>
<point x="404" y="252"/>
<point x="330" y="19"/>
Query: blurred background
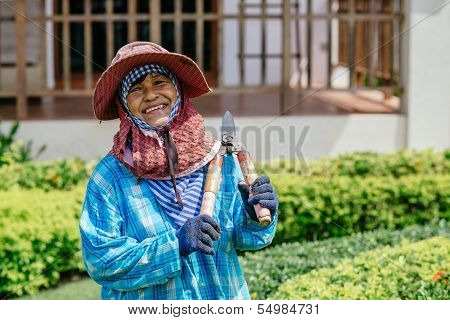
<point x="361" y="74"/>
<point x="359" y="87"/>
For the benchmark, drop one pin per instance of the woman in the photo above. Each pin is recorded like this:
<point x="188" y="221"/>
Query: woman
<point x="142" y="235"/>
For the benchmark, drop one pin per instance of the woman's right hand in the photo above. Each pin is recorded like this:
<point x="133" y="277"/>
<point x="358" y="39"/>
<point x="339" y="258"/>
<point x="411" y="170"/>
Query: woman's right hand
<point x="198" y="234"/>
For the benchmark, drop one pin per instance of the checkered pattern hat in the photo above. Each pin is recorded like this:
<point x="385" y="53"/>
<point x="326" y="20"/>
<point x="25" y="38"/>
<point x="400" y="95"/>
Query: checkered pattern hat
<point x="139" y="53"/>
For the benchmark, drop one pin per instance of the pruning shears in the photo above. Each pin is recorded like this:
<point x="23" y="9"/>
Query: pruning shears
<point x="230" y="144"/>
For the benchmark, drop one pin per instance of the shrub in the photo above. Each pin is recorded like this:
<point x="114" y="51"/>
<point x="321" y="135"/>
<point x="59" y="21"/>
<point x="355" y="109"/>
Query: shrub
<point x="58" y="174"/>
<point x="266" y="270"/>
<point x="402" y="272"/>
<point x="39" y="238"/>
<point x="19" y="151"/>
<point x="364" y="164"/>
<point x="63" y="174"/>
<point x="316" y="208"/>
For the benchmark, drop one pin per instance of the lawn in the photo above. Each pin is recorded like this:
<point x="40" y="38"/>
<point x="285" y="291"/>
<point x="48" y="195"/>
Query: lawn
<point x="83" y="289"/>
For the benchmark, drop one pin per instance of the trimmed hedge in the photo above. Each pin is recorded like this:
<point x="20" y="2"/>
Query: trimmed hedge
<point x="364" y="164"/>
<point x="408" y="271"/>
<point x="266" y="270"/>
<point x="65" y="174"/>
<point x="37" y="227"/>
<point x="316" y="208"/>
<point x="58" y="174"/>
<point x="39" y="238"/>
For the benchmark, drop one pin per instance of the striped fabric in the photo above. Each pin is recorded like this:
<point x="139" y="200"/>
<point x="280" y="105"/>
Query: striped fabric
<point x="129" y="245"/>
<point x="190" y="189"/>
<point x="138" y="73"/>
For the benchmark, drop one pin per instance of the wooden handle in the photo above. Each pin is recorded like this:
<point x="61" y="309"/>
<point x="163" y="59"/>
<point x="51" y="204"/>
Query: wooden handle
<point x="211" y="185"/>
<point x="249" y="173"/>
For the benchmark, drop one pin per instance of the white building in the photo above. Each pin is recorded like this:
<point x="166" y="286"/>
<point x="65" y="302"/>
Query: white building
<point x="250" y="50"/>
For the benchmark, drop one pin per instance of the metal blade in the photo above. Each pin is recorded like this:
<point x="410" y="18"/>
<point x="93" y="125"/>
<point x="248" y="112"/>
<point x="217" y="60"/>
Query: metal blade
<point x="228" y="127"/>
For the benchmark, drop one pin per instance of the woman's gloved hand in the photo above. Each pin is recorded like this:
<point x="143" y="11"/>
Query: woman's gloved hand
<point x="197" y="234"/>
<point x="262" y="194"/>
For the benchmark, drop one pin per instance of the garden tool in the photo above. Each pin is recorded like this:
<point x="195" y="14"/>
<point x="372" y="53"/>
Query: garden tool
<point x="229" y="145"/>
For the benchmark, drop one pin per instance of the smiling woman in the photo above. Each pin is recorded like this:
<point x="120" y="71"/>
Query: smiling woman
<point x="152" y="99"/>
<point x="142" y="233"/>
<point x="150" y="95"/>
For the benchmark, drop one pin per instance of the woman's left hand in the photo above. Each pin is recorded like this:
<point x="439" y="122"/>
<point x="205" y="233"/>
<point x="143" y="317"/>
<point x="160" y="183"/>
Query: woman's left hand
<point x="262" y="194"/>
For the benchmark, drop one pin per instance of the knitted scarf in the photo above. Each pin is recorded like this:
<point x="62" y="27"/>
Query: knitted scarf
<point x="195" y="147"/>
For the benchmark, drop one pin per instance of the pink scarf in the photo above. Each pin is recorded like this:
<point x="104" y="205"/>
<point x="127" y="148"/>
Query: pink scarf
<point x="148" y="158"/>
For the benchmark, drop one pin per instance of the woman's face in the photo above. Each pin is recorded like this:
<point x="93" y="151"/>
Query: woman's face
<point x="152" y="99"/>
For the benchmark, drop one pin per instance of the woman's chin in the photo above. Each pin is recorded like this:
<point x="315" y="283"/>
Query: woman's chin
<point x="158" y="122"/>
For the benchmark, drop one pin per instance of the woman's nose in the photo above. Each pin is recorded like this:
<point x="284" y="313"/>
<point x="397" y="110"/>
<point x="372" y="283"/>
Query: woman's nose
<point x="150" y="94"/>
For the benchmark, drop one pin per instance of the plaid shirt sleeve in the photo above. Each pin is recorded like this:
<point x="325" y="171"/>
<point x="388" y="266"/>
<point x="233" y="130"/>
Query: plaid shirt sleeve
<point x="117" y="261"/>
<point x="249" y="234"/>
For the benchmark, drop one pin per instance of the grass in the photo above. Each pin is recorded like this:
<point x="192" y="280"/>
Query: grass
<point x="83" y="289"/>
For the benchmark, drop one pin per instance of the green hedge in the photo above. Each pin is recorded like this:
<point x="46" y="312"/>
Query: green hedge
<point x="313" y="208"/>
<point x="402" y="272"/>
<point x="266" y="270"/>
<point x="58" y="174"/>
<point x="39" y="238"/>
<point x="64" y="174"/>
<point x="38" y="226"/>
<point x="401" y="163"/>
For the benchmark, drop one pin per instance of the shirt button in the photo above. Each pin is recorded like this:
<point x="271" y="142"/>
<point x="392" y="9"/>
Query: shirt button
<point x="203" y="284"/>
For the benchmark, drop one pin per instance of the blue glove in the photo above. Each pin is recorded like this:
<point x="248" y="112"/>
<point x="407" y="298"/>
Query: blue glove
<point x="197" y="234"/>
<point x="263" y="194"/>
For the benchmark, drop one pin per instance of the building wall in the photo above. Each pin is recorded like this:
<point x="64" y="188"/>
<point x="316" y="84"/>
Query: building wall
<point x="424" y="121"/>
<point x="427" y="66"/>
<point x="266" y="137"/>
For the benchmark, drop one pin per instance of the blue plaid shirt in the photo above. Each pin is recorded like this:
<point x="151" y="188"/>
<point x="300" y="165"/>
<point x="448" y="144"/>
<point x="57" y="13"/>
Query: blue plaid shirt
<point x="130" y="248"/>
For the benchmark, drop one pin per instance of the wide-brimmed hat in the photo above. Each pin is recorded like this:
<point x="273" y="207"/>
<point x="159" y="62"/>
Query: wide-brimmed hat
<point x="138" y="53"/>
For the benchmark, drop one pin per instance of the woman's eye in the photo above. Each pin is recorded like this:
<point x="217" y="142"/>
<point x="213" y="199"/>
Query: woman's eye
<point x="135" y="89"/>
<point x="158" y="82"/>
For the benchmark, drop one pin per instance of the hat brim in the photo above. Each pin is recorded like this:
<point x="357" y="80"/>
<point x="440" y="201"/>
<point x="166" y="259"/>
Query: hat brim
<point x="184" y="68"/>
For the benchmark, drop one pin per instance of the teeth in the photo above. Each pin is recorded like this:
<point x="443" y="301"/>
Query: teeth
<point x="155" y="108"/>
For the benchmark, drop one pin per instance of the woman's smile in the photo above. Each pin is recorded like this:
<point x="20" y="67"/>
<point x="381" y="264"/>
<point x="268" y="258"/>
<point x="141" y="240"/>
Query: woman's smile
<point x="149" y="109"/>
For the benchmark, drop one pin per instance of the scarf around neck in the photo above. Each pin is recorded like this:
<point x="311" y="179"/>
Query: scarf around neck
<point x="195" y="146"/>
<point x="136" y="75"/>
